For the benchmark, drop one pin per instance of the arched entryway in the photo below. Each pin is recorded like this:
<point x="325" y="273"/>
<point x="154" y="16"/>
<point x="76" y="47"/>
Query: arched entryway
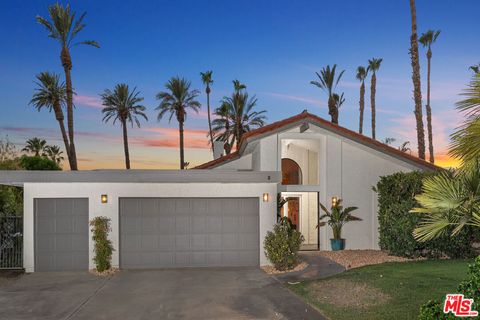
<point x="291" y="172"/>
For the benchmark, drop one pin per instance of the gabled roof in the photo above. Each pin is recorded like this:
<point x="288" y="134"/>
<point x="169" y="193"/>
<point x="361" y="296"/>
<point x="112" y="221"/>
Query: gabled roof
<point x="322" y="123"/>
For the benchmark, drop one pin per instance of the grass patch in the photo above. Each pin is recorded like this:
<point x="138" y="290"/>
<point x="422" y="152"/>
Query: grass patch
<point x="384" y="291"/>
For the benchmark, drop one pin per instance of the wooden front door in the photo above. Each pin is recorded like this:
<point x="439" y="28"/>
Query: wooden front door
<point x="293" y="210"/>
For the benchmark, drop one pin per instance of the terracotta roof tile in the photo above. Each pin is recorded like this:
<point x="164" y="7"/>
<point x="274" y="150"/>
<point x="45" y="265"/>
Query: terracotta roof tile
<point x="377" y="145"/>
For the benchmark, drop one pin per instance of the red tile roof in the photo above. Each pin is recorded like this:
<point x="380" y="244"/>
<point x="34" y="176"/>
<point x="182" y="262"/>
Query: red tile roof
<point x="305" y="116"/>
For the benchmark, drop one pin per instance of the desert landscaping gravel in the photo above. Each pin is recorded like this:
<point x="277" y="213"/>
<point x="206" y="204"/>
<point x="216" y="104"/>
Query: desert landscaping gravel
<point x="358" y="258"/>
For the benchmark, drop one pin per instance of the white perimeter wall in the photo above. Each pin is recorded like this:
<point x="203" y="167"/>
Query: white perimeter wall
<point x="93" y="191"/>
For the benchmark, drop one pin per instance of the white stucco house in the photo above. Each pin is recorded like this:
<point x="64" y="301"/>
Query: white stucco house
<point x="216" y="214"/>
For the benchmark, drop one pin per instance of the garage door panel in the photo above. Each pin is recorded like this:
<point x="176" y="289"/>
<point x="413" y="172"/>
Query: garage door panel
<point x="182" y="225"/>
<point x="131" y="242"/>
<point x="148" y="207"/>
<point x="199" y="224"/>
<point x="200" y="206"/>
<point x="79" y="226"/>
<point x="61" y="234"/>
<point x="64" y="224"/>
<point x="149" y="242"/>
<point x="230" y="224"/>
<point x="64" y="207"/>
<point x="214" y="242"/>
<point x="199" y="242"/>
<point x="185" y="232"/>
<point x="182" y="207"/>
<point x="182" y="242"/>
<point x="149" y="224"/>
<point x="166" y="243"/>
<point x="214" y="224"/>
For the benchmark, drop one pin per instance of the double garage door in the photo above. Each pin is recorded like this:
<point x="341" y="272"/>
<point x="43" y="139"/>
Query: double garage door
<point x="154" y="233"/>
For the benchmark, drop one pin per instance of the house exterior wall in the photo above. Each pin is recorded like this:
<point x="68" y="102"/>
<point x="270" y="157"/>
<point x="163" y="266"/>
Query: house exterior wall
<point x="347" y="170"/>
<point x="93" y="191"/>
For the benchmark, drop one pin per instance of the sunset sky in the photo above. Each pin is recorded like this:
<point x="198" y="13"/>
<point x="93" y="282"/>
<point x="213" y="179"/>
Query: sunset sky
<point x="274" y="47"/>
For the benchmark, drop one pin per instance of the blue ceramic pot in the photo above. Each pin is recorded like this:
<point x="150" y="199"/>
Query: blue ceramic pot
<point x="337" y="244"/>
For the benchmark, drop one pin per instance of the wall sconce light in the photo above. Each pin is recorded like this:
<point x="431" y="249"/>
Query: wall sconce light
<point x="104" y="198"/>
<point x="334" y="201"/>
<point x="265" y="197"/>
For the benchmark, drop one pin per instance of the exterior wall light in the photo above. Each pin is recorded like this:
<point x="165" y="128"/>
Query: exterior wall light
<point x="265" y="197"/>
<point x="334" y="201"/>
<point x="104" y="198"/>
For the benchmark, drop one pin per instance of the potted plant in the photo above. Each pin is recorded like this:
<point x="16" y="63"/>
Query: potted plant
<point x="336" y="218"/>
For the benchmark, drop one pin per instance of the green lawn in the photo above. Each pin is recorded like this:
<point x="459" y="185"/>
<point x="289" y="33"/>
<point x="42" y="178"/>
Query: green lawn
<point x="385" y="291"/>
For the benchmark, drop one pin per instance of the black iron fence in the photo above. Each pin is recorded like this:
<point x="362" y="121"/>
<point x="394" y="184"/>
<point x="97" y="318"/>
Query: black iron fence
<point x="11" y="242"/>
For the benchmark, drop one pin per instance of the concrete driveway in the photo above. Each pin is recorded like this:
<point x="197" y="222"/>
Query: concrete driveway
<point x="213" y="293"/>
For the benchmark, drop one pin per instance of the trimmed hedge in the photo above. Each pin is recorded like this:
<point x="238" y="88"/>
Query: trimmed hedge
<point x="396" y="194"/>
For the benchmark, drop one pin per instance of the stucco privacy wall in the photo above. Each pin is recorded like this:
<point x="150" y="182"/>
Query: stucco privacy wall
<point x="93" y="192"/>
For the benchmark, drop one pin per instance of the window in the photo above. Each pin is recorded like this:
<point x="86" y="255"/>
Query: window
<point x="291" y="172"/>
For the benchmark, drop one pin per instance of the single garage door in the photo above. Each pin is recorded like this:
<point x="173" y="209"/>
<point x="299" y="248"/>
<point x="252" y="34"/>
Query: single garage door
<point x="188" y="232"/>
<point x="61" y="234"/>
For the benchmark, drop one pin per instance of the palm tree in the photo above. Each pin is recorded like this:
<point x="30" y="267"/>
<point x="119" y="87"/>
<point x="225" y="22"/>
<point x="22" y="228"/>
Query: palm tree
<point x="328" y="82"/>
<point x="362" y="73"/>
<point x="36" y="146"/>
<point x="222" y="130"/>
<point x="404" y="147"/>
<point x="176" y="101"/>
<point x="426" y="39"/>
<point x="475" y="68"/>
<point x="51" y="94"/>
<point x="207" y="81"/>
<point x="373" y="65"/>
<point x="64" y="28"/>
<point x="54" y="153"/>
<point x="449" y="200"/>
<point x="465" y="141"/>
<point x="237" y="116"/>
<point x="123" y="105"/>
<point x="339" y="100"/>
<point x="417" y="88"/>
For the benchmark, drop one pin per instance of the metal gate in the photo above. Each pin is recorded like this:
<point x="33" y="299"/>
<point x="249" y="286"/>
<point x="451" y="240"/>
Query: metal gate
<point x="11" y="242"/>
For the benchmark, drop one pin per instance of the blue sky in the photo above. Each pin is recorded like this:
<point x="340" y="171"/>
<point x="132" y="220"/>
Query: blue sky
<point x="274" y="47"/>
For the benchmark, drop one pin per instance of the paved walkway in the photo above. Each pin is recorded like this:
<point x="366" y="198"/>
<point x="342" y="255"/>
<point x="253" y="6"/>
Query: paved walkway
<point x="318" y="267"/>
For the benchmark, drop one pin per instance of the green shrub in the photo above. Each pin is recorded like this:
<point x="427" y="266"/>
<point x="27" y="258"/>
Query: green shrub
<point x="38" y="163"/>
<point x="470" y="288"/>
<point x="282" y="245"/>
<point x="396" y="194"/>
<point x="103" y="247"/>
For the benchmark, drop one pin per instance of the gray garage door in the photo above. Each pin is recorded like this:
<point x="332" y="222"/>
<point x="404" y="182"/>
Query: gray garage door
<point x="188" y="232"/>
<point x="61" y="234"/>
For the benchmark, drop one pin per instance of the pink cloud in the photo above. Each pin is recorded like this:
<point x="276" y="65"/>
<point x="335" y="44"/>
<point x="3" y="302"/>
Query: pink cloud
<point x="169" y="138"/>
<point x="88" y="101"/>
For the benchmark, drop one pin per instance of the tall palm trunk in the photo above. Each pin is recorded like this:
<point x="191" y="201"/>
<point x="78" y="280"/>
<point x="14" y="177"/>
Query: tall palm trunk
<point x="362" y="106"/>
<point x="181" y="119"/>
<point x="60" y="118"/>
<point x="125" y="144"/>
<point x="373" y="91"/>
<point x="417" y="90"/>
<point x="67" y="67"/>
<point x="332" y="109"/>
<point x="209" y="119"/>
<point x="429" y="109"/>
